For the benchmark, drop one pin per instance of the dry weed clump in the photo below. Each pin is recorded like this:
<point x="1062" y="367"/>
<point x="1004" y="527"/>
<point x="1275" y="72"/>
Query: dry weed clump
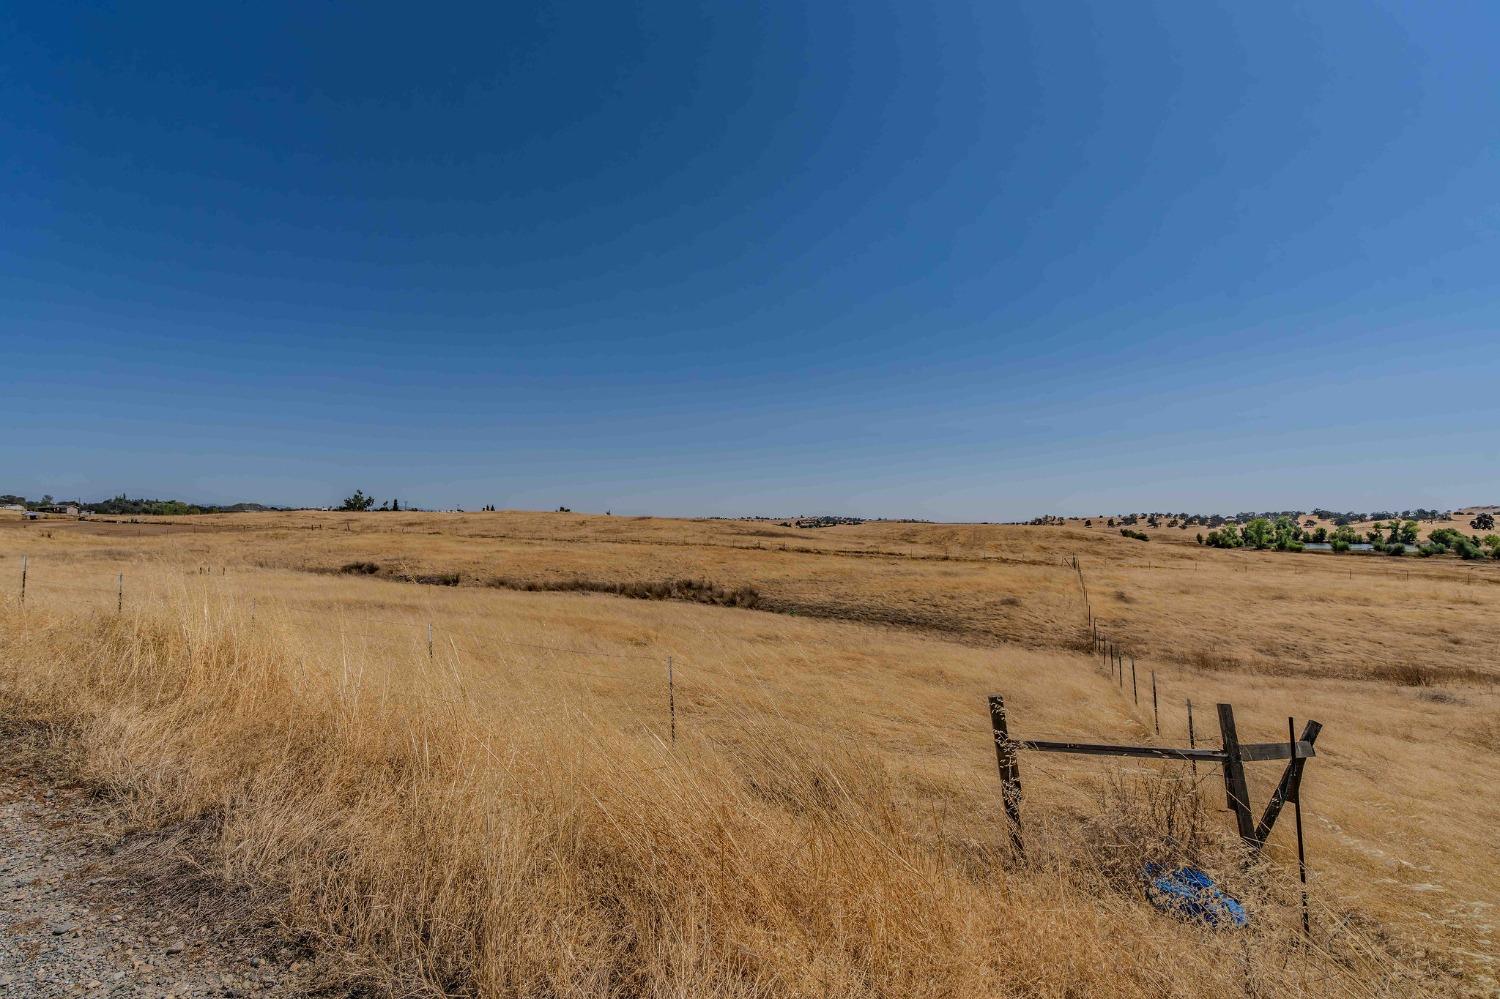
<point x="1408" y="674"/>
<point x="1484" y="732"/>
<point x="499" y="836"/>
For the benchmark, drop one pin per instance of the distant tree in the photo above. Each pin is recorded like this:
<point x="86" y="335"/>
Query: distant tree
<point x="1200" y="537"/>
<point x="1483" y="522"/>
<point x="46" y="499"/>
<point x="1288" y="535"/>
<point x="1320" y="535"/>
<point x="1259" y="533"/>
<point x="358" y="502"/>
<point x="1227" y="536"/>
<point x="395" y="506"/>
<point x="1346" y="534"/>
<point x="1088" y="523"/>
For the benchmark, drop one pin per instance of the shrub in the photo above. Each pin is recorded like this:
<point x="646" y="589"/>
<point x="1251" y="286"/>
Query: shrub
<point x="1340" y="545"/>
<point x="1137" y="535"/>
<point x="360" y="569"/>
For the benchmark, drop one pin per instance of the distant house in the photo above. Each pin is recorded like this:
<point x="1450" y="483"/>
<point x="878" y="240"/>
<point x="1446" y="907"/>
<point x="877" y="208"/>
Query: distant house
<point x="63" y="508"/>
<point x="16" y="507"/>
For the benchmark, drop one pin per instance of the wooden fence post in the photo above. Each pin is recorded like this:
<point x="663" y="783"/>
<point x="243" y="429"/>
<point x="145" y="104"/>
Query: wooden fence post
<point x="1236" y="789"/>
<point x="1134" y="690"/>
<point x="25" y="561"/>
<point x="119" y="593"/>
<point x="1010" y="771"/>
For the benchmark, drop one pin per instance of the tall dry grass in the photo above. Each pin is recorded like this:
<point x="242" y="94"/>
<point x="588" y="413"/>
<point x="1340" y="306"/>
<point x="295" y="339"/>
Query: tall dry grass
<point x="495" y="825"/>
<point x="827" y="822"/>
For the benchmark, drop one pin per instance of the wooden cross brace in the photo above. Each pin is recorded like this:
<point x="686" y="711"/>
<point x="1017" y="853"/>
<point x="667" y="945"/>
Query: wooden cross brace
<point x="1231" y="757"/>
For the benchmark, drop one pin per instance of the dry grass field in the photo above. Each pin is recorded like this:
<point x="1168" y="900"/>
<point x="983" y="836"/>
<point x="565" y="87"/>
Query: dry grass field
<point x="507" y="810"/>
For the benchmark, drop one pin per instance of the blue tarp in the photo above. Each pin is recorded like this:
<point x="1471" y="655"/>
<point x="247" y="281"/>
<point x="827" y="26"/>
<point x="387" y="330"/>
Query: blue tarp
<point x="1189" y="894"/>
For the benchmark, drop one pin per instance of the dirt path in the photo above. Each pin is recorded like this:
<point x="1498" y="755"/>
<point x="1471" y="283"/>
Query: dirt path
<point x="76" y="921"/>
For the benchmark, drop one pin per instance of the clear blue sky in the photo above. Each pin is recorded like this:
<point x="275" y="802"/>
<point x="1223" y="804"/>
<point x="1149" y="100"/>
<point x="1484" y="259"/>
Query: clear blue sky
<point x="955" y="260"/>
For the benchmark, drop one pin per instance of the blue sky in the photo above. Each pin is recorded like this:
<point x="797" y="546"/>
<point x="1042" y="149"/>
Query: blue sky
<point x="959" y="261"/>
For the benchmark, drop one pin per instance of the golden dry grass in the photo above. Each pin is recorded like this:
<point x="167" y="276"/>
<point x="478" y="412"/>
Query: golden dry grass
<point x="509" y="815"/>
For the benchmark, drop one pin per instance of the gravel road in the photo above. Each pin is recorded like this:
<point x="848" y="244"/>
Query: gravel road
<point x="75" y="921"/>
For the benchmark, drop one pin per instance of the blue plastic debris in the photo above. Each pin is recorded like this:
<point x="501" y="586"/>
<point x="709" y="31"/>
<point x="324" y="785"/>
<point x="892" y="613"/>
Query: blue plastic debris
<point x="1188" y="893"/>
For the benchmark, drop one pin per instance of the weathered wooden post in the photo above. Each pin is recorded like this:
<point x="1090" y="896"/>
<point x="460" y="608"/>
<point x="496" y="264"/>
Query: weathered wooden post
<point x="429" y="639"/>
<point x="1010" y="771"/>
<point x="1134" y="690"/>
<point x="1236" y="788"/>
<point x="119" y="593"/>
<point x="25" y="561"/>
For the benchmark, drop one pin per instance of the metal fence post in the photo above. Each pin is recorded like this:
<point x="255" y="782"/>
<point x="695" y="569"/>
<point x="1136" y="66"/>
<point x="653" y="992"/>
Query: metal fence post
<point x="672" y="700"/>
